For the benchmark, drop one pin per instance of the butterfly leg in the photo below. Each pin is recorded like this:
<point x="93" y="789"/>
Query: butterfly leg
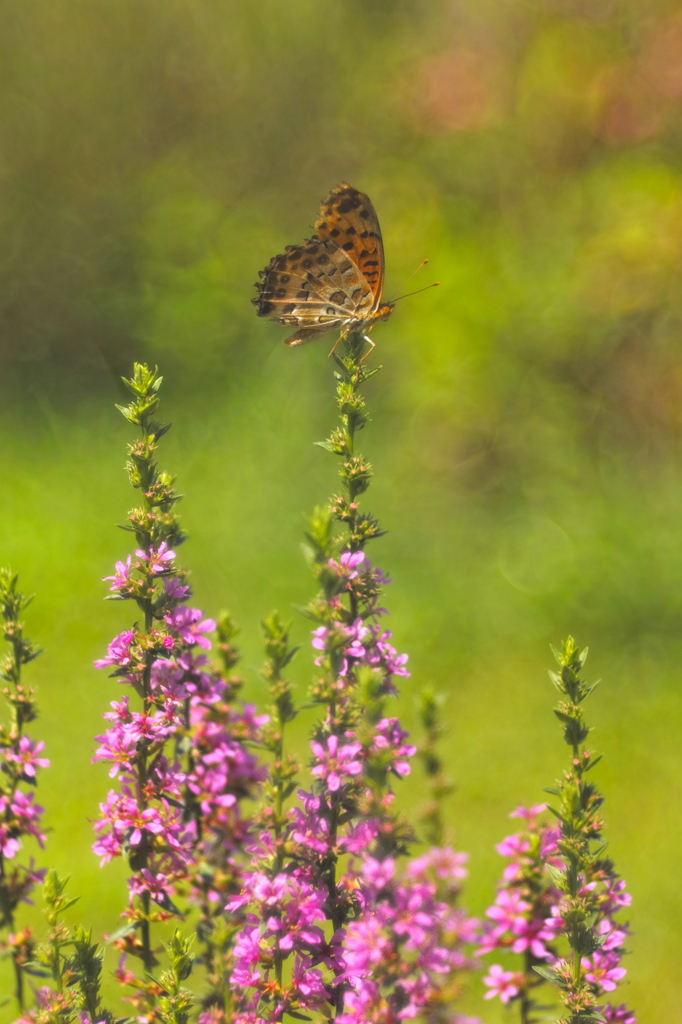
<point x="344" y="334"/>
<point x="371" y="344"/>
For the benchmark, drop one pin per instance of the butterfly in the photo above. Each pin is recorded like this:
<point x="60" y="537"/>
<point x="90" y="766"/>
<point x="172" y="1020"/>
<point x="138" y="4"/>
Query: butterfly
<point x="333" y="279"/>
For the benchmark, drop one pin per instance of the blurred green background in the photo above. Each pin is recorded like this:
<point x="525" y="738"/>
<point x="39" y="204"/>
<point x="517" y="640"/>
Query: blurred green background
<point x="154" y="155"/>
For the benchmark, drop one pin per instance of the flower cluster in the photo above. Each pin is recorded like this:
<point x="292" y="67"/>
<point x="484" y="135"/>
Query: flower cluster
<point x="554" y="891"/>
<point x="359" y="642"/>
<point x="360" y="939"/>
<point x="20" y="758"/>
<point x="526" y="917"/>
<point x="404" y="950"/>
<point x="186" y="698"/>
<point x="523" y="918"/>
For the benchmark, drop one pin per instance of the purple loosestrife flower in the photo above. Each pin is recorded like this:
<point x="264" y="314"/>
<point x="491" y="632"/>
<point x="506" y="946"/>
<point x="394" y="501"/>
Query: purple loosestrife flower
<point x="603" y="970"/>
<point x="333" y="763"/>
<point x="155" y="559"/>
<point x="187" y="626"/>
<point x="24" y="754"/>
<point x="617" y="1014"/>
<point x="20" y="760"/>
<point x="506" y="985"/>
<point x="121" y="578"/>
<point x="118" y="652"/>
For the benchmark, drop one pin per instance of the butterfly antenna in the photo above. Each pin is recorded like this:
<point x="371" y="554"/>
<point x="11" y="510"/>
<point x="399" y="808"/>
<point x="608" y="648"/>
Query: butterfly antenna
<point x="422" y="264"/>
<point x="434" y="284"/>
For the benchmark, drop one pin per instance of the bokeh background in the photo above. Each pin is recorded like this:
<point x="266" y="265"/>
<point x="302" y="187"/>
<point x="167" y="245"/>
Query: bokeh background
<point x="526" y="423"/>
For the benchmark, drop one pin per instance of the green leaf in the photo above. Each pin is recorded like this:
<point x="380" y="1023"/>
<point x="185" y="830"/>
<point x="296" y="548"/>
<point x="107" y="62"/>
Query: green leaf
<point x="549" y="975"/>
<point x="124" y="930"/>
<point x="558" y="877"/>
<point x="129" y="413"/>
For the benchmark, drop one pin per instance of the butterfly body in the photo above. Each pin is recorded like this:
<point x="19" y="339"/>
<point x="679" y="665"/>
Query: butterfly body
<point x="332" y="280"/>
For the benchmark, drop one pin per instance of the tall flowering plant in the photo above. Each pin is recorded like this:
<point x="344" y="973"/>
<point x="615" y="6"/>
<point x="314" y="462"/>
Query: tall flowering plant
<point x="559" y="901"/>
<point x="63" y="969"/>
<point x="20" y="760"/>
<point x="335" y="927"/>
<point x="176" y="744"/>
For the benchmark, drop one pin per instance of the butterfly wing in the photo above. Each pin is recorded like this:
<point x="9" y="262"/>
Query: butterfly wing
<point x="348" y="218"/>
<point x="314" y="287"/>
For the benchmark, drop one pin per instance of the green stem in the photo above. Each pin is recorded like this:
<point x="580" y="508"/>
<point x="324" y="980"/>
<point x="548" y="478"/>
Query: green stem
<point x="15" y="735"/>
<point x="147" y="957"/>
<point x="349" y="423"/>
<point x="526" y="1004"/>
<point x="279" y="808"/>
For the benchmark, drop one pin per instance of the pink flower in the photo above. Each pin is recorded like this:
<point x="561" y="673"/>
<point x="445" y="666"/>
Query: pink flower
<point x="27" y="814"/>
<point x="617" y="1014"/>
<point x="118" y="652"/>
<point x="320" y="638"/>
<point x="310" y="831"/>
<point x="446" y="863"/>
<point x="615" y="895"/>
<point x="308" y="985"/>
<point x="9" y="846"/>
<point x="378" y="872"/>
<point x="549" y="843"/>
<point x="148" y="820"/>
<point x="504" y="984"/>
<point x="26" y="756"/>
<point x="175" y="589"/>
<point x="187" y="622"/>
<point x="385" y="656"/>
<point x="157" y="885"/>
<point x="335" y="762"/>
<point x="513" y="846"/>
<point x="529" y="814"/>
<point x="118" y="747"/>
<point x="347" y="566"/>
<point x="615" y="936"/>
<point x="356" y="635"/>
<point x="531" y="935"/>
<point x="246" y="952"/>
<point x="508" y="908"/>
<point x="602" y="969"/>
<point x="121" y="577"/>
<point x="359" y="836"/>
<point x="389" y="740"/>
<point x="365" y="946"/>
<point x="350" y="560"/>
<point x="157" y="558"/>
